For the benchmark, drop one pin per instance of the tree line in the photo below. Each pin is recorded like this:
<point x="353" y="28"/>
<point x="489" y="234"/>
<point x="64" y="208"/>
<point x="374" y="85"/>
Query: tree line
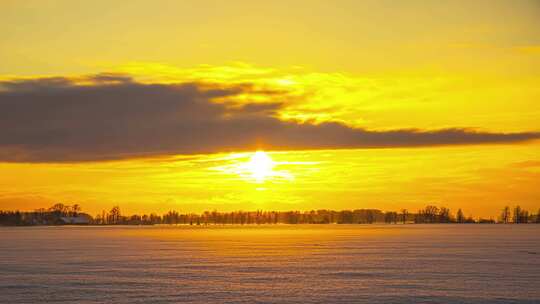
<point x="58" y="213"/>
<point x="41" y="216"/>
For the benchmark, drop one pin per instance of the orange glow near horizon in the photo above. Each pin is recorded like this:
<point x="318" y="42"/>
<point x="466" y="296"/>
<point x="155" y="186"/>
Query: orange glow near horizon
<point x="477" y="180"/>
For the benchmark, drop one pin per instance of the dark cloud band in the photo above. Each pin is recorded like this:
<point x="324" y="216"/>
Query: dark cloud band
<point x="114" y="117"/>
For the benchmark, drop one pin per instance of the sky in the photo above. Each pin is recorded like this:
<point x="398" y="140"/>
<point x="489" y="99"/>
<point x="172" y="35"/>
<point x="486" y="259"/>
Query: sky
<point x="160" y="105"/>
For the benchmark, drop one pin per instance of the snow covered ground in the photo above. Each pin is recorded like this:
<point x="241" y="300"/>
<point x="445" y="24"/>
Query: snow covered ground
<point x="271" y="264"/>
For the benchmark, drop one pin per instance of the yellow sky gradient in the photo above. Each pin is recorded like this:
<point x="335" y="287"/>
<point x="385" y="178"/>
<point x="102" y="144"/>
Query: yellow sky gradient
<point x="478" y="179"/>
<point x="378" y="65"/>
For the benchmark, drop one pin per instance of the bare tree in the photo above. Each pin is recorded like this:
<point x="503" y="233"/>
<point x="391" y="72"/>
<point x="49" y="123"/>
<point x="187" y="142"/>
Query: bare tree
<point x="431" y="213"/>
<point x="370" y="217"/>
<point x="505" y="215"/>
<point x="444" y="215"/>
<point x="75" y="209"/>
<point x="114" y="215"/>
<point x="404" y="215"/>
<point x="460" y="218"/>
<point x="517" y="215"/>
<point x="59" y="208"/>
<point x="524" y="216"/>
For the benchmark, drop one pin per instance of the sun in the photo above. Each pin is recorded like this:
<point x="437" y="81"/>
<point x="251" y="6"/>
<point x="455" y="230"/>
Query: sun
<point x="257" y="167"/>
<point x="260" y="165"/>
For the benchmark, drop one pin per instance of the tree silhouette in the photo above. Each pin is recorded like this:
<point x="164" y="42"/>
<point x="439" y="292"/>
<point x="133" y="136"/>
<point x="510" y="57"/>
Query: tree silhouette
<point x="404" y="215"/>
<point x="75" y="209"/>
<point x="505" y="215"/>
<point x="114" y="215"/>
<point x="59" y="208"/>
<point x="520" y="215"/>
<point x="444" y="215"/>
<point x="460" y="218"/>
<point x="430" y="214"/>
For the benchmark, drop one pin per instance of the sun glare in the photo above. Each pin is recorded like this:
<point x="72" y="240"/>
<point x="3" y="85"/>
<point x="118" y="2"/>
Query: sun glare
<point x="260" y="166"/>
<point x="256" y="167"/>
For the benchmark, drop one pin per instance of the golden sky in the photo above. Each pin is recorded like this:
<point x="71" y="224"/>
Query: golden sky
<point x="159" y="105"/>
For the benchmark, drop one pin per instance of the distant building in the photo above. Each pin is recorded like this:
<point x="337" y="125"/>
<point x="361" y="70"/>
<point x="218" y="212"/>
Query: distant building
<point x="80" y="219"/>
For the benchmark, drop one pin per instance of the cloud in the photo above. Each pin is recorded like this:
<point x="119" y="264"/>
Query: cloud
<point x="111" y="116"/>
